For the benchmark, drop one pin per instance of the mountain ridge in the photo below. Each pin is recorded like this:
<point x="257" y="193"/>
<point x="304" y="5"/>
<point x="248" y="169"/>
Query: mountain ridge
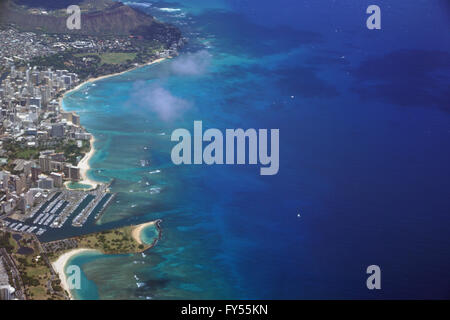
<point x="98" y="17"/>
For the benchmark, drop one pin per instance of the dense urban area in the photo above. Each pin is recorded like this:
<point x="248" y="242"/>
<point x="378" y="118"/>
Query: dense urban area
<point x="41" y="145"/>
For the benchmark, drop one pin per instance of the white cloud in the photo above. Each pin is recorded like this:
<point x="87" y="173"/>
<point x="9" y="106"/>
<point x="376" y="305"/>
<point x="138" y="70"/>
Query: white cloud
<point x="159" y="100"/>
<point x="192" y="63"/>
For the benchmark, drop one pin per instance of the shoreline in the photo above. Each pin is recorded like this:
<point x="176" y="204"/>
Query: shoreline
<point x="84" y="168"/>
<point x="84" y="163"/>
<point x="92" y="80"/>
<point x="137" y="232"/>
<point x="60" y="264"/>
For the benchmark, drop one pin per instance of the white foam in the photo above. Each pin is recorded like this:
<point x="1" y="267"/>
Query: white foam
<point x="170" y="9"/>
<point x="138" y="4"/>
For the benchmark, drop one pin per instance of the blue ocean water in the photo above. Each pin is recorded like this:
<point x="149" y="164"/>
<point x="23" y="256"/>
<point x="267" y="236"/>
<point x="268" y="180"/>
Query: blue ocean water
<point x="364" y="151"/>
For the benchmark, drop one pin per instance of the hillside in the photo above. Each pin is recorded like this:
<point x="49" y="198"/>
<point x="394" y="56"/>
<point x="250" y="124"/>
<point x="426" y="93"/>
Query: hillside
<point x="99" y="17"/>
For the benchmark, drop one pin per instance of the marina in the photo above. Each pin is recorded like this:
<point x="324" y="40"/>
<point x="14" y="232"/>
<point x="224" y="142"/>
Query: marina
<point x="60" y="207"/>
<point x="96" y="205"/>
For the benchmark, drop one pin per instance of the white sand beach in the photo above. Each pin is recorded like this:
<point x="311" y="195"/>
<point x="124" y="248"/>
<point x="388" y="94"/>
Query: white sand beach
<point x="136" y="233"/>
<point x="90" y="80"/>
<point x="84" y="163"/>
<point x="84" y="166"/>
<point x="60" y="264"/>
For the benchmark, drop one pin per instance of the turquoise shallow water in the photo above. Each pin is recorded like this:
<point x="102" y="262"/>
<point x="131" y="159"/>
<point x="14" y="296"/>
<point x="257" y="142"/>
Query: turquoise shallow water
<point x="92" y="266"/>
<point x="362" y="160"/>
<point x="76" y="185"/>
<point x="183" y="264"/>
<point x="88" y="289"/>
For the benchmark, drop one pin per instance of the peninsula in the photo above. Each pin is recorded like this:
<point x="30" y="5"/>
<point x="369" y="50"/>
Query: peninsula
<point x="36" y="270"/>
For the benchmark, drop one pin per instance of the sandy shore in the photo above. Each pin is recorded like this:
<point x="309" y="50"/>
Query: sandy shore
<point x="90" y="80"/>
<point x="60" y="264"/>
<point x="84" y="168"/>
<point x="84" y="163"/>
<point x="136" y="233"/>
<point x="62" y="260"/>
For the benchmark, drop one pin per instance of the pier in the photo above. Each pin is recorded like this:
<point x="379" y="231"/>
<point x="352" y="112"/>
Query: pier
<point x="97" y="205"/>
<point x="60" y="207"/>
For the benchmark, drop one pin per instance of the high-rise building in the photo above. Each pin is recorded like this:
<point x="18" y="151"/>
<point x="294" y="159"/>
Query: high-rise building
<point x="56" y="166"/>
<point x="35" y="172"/>
<point x="45" y="182"/>
<point x="35" y="102"/>
<point x="67" y="81"/>
<point x="59" y="156"/>
<point x="35" y="78"/>
<point x="20" y="183"/>
<point x="27" y="167"/>
<point x="67" y="116"/>
<point x="66" y="171"/>
<point x="13" y="72"/>
<point x="29" y="198"/>
<point x="5" y="179"/>
<point x="74" y="173"/>
<point x="57" y="179"/>
<point x="6" y="292"/>
<point x="57" y="130"/>
<point x="44" y="163"/>
<point x="75" y="119"/>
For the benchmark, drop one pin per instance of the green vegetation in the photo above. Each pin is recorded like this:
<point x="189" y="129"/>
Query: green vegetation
<point x="17" y="150"/>
<point x="27" y="153"/>
<point x="117" y="57"/>
<point x="7" y="241"/>
<point x="116" y="241"/>
<point x="33" y="268"/>
<point x="109" y="57"/>
<point x="35" y="274"/>
<point x="95" y="64"/>
<point x="72" y="152"/>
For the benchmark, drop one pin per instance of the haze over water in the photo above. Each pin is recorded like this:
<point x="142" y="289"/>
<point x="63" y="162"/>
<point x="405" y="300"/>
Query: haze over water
<point x="364" y="127"/>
